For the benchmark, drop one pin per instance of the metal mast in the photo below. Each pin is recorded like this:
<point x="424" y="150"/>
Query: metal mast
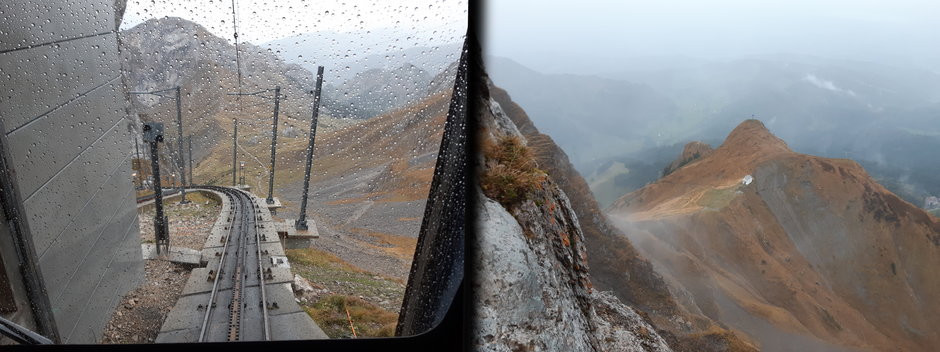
<point x="180" y="161"/>
<point x="301" y="223"/>
<point x="277" y="100"/>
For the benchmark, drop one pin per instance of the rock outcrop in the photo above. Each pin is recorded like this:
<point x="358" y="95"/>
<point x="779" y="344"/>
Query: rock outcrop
<point x="532" y="290"/>
<point x="614" y="263"/>
<point x="532" y="286"/>
<point x="692" y="152"/>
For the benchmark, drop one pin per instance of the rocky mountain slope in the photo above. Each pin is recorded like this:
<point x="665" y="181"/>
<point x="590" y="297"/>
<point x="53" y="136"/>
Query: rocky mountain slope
<point x="615" y="264"/>
<point x="167" y="52"/>
<point x="532" y="288"/>
<point x="692" y="151"/>
<point x="170" y="51"/>
<point x="798" y="252"/>
<point x="376" y="91"/>
<point x="590" y="117"/>
<point x="368" y="185"/>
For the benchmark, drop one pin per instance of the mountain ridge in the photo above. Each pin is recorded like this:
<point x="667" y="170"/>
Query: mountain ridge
<point x="811" y="250"/>
<point x="881" y="116"/>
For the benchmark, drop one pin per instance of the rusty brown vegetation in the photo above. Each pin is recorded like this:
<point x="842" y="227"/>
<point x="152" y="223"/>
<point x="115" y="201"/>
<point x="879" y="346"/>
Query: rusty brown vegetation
<point x="511" y="172"/>
<point x="369" y="320"/>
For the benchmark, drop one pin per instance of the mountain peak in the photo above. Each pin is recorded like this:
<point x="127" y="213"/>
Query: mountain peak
<point x="753" y="135"/>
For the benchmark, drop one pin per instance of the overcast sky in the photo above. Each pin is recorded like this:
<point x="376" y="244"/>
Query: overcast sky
<point x="432" y="22"/>
<point x="556" y="35"/>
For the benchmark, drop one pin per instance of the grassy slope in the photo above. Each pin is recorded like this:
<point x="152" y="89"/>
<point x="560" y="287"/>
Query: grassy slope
<point x="346" y="283"/>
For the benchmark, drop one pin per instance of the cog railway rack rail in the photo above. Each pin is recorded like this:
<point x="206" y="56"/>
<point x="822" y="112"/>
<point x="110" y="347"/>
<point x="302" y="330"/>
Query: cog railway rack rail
<point x="242" y="289"/>
<point x="236" y="309"/>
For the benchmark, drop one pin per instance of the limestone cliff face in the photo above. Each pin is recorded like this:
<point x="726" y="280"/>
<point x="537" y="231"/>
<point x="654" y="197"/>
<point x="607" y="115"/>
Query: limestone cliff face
<point x="614" y="263"/>
<point x="532" y="285"/>
<point x="167" y="52"/>
<point x="533" y="294"/>
<point x="170" y="51"/>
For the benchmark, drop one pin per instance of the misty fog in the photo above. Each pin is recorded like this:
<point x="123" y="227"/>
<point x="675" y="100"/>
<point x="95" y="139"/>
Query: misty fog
<point x="622" y="86"/>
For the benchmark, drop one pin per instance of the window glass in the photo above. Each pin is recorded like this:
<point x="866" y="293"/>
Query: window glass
<point x="221" y="170"/>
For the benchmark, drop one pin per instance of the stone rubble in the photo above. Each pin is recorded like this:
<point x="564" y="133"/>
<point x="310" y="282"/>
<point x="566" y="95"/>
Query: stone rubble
<point x="139" y="316"/>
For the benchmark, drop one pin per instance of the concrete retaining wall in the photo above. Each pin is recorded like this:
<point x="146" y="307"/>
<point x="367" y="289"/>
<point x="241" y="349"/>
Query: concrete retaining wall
<point x="63" y="109"/>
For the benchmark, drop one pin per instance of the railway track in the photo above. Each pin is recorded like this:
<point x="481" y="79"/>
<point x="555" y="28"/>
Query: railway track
<point x="236" y="308"/>
<point x="241" y="291"/>
<point x="166" y="193"/>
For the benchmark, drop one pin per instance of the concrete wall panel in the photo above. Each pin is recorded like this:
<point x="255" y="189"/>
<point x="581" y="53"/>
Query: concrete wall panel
<point x="125" y="263"/>
<point x="63" y="107"/>
<point x="59" y="202"/>
<point x="33" y="22"/>
<point x="71" y="257"/>
<point x="44" y="78"/>
<point x="43" y="148"/>
<point x="93" y="313"/>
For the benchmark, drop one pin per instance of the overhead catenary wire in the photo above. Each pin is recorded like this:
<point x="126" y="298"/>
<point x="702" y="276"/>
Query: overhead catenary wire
<point x="238" y="66"/>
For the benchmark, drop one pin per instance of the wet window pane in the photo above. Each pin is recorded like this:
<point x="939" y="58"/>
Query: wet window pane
<point x="219" y="171"/>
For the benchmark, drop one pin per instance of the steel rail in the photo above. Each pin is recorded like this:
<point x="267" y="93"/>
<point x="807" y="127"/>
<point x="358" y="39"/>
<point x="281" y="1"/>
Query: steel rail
<point x="215" y="284"/>
<point x="21" y="334"/>
<point x="238" y="284"/>
<point x="245" y="212"/>
<point x="264" y="300"/>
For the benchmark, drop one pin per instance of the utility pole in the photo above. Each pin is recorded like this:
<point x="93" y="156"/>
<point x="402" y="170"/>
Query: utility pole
<point x="153" y="134"/>
<point x="179" y="126"/>
<point x="140" y="170"/>
<point x="301" y="222"/>
<point x="241" y="168"/>
<point x="277" y="100"/>
<point x="189" y="142"/>
<point x="180" y="161"/>
<point x="234" y="151"/>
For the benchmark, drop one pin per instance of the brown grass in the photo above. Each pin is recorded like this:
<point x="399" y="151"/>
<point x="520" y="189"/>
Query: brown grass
<point x="369" y="320"/>
<point x="400" y="246"/>
<point x="353" y="200"/>
<point x="716" y="336"/>
<point x="511" y="172"/>
<point x="316" y="257"/>
<point x="200" y="198"/>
